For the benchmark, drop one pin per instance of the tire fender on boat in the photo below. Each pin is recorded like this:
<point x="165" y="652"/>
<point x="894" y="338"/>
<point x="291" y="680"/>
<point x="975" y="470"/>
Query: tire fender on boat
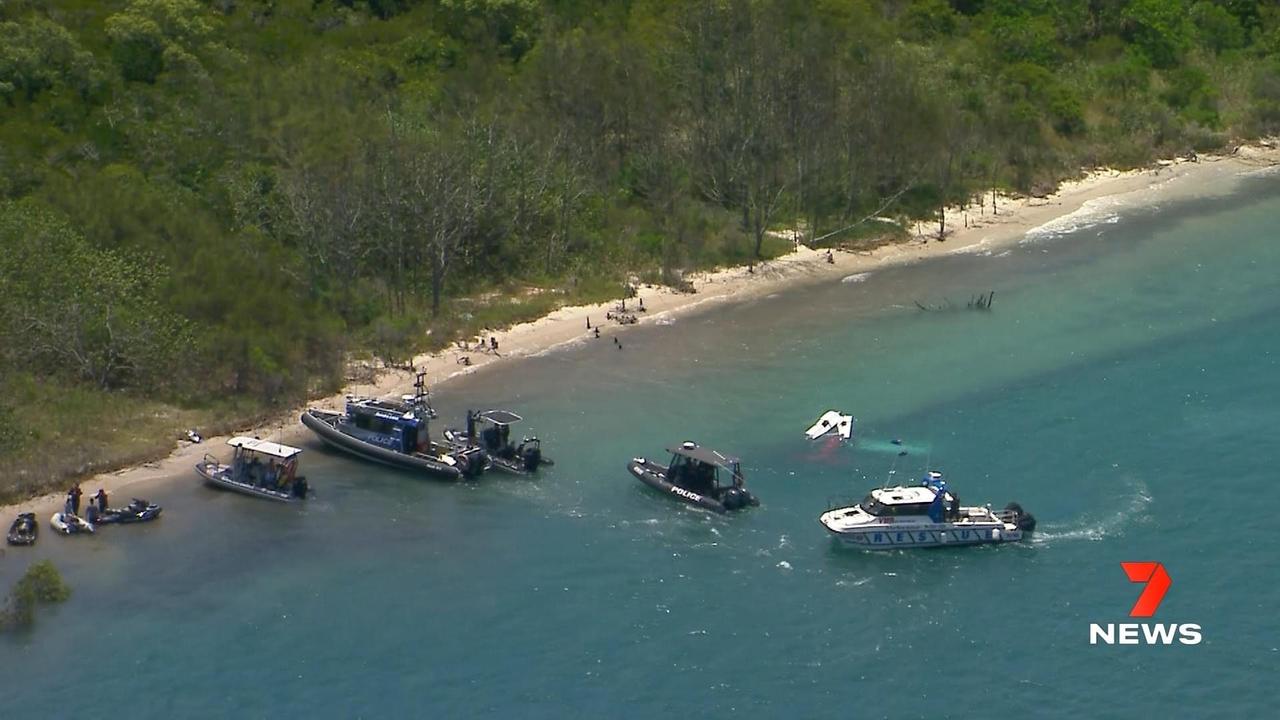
<point x="463" y="463"/>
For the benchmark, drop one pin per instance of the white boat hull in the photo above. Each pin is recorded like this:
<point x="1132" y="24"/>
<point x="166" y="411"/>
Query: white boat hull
<point x="888" y="537"/>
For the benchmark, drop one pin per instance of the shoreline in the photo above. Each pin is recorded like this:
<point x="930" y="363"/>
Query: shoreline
<point x="969" y="232"/>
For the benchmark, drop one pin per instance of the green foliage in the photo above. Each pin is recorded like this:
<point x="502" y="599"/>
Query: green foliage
<point x="930" y="19"/>
<point x="1216" y="28"/>
<point x="154" y="36"/>
<point x="1188" y="89"/>
<point x="1161" y="29"/>
<point x="39" y="55"/>
<point x="69" y="305"/>
<point x="40" y="585"/>
<point x="12" y="436"/>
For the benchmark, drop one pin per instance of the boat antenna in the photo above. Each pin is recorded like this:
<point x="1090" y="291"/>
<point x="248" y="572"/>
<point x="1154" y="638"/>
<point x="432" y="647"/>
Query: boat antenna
<point x="893" y="469"/>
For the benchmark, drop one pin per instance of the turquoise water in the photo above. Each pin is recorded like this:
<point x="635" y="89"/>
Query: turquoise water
<point x="1124" y="389"/>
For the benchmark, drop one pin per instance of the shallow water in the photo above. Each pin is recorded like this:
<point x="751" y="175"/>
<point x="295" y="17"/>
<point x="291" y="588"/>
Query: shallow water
<point x="1123" y="388"/>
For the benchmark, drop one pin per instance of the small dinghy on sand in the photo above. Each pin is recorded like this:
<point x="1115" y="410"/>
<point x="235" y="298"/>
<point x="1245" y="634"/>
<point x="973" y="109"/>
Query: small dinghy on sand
<point x="24" y="530"/>
<point x="832" y="421"/>
<point x="68" y="524"/>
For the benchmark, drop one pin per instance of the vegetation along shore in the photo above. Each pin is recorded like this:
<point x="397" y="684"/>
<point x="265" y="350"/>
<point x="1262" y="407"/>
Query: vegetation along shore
<point x="212" y="211"/>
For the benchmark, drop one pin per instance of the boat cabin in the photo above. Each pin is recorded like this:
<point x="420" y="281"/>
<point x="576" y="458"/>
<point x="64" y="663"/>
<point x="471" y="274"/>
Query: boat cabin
<point x="263" y="463"/>
<point x="703" y="471"/>
<point x="930" y="499"/>
<point x="390" y="425"/>
<point x="497" y="431"/>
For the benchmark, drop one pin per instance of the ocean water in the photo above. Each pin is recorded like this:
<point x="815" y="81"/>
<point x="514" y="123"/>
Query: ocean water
<point x="1124" y="388"/>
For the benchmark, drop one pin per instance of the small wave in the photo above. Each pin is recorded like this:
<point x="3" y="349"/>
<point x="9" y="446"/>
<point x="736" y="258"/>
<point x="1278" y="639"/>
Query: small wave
<point x="854" y="583"/>
<point x="855" y="278"/>
<point x="1262" y="172"/>
<point x="1102" y="211"/>
<point x="1131" y="510"/>
<point x="558" y="347"/>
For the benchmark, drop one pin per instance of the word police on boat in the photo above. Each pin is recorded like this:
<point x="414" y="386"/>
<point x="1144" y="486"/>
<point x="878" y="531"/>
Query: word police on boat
<point x="1156" y="582"/>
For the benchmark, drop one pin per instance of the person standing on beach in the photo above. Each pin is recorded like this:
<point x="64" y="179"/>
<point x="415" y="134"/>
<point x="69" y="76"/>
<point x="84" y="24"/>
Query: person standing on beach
<point x="73" y="498"/>
<point x="100" y="498"/>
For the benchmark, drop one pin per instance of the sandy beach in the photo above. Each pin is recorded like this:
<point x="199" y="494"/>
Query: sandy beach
<point x="975" y="229"/>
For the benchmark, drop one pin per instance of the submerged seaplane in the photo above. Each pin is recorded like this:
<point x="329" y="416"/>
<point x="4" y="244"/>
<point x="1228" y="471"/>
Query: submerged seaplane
<point x="831" y="421"/>
<point x="924" y="515"/>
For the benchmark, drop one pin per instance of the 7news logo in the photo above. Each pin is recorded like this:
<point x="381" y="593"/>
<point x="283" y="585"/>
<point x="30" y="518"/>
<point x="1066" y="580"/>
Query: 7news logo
<point x="1157" y="583"/>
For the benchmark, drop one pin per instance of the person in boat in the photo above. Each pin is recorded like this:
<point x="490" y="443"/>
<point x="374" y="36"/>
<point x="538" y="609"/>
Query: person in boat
<point x="269" y="477"/>
<point x="955" y="508"/>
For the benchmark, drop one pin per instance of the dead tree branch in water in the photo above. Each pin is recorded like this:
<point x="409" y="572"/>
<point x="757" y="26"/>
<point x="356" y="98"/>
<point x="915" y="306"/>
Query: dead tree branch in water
<point x="980" y="302"/>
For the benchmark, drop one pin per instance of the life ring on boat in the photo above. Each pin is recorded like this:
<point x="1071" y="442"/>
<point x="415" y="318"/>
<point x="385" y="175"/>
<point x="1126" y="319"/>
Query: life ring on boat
<point x="464" y="463"/>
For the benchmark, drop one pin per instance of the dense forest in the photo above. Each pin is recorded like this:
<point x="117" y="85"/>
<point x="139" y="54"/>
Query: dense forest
<point x="208" y="206"/>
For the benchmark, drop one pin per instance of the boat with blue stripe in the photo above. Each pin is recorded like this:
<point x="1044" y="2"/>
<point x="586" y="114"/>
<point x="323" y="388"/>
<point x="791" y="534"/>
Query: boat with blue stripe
<point x="924" y="515"/>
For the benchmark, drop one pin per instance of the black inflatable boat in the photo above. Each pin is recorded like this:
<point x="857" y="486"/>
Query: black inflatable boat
<point x="136" y="512"/>
<point x="698" y="476"/>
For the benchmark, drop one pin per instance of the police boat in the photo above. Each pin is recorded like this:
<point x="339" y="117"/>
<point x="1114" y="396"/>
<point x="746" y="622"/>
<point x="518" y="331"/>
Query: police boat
<point x="491" y="431"/>
<point x="260" y="468"/>
<point x="697" y="475"/>
<point x="395" y="433"/>
<point x="924" y="515"/>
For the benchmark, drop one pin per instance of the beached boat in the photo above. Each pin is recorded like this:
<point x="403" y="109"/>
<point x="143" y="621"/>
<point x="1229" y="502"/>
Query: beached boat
<point x="260" y="468"/>
<point x="24" y="529"/>
<point x="68" y="524"/>
<point x="396" y="434"/>
<point x="491" y="431"/>
<point x="697" y="475"/>
<point x="135" y="512"/>
<point x="924" y="515"/>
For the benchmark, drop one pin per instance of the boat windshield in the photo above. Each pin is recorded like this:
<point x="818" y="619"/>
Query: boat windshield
<point x="872" y="506"/>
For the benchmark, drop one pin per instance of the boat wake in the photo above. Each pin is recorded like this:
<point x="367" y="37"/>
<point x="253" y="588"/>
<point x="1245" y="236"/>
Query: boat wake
<point x="1129" y="511"/>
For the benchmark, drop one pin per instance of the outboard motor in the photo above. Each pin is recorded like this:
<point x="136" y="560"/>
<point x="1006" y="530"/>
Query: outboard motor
<point x="530" y="453"/>
<point x="300" y="487"/>
<point x="736" y="498"/>
<point x="1025" y="521"/>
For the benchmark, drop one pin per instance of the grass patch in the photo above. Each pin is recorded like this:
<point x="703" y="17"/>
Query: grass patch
<point x="59" y="431"/>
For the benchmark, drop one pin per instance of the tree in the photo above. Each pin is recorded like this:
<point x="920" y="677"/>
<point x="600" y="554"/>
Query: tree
<point x="93" y="312"/>
<point x="39" y="54"/>
<point x="734" y="96"/>
<point x="154" y="36"/>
